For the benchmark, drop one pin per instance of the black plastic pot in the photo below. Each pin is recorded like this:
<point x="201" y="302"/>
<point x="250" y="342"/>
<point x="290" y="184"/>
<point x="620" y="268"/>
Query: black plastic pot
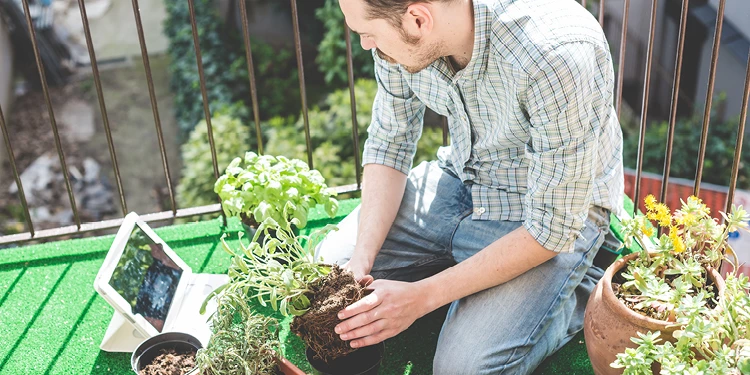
<point x="149" y="349"/>
<point x="364" y="361"/>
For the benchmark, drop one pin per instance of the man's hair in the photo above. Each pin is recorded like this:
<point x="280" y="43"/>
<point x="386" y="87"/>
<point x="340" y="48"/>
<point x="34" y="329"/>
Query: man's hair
<point x="393" y="10"/>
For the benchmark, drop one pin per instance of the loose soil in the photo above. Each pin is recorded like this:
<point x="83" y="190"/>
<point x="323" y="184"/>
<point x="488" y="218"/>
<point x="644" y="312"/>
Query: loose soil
<point x="170" y="363"/>
<point x="316" y="327"/>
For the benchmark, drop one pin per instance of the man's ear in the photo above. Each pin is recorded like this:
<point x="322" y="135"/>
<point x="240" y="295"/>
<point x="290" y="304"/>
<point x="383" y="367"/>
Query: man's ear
<point x="418" y="20"/>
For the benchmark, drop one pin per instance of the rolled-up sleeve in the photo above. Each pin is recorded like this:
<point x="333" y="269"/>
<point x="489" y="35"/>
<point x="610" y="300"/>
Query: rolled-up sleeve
<point x="564" y="93"/>
<point x="397" y="116"/>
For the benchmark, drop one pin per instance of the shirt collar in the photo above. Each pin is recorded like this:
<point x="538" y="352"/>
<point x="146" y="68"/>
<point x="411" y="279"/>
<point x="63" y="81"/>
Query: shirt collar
<point x="480" y="53"/>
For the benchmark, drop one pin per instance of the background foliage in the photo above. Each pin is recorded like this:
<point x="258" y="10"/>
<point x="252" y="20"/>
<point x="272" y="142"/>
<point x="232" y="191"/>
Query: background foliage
<point x="197" y="182"/>
<point x="331" y="134"/>
<point x="717" y="167"/>
<point x="332" y="49"/>
<point x="225" y="67"/>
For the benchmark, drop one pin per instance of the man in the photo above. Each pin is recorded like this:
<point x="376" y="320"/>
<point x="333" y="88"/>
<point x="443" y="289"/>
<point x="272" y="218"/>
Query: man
<point x="506" y="225"/>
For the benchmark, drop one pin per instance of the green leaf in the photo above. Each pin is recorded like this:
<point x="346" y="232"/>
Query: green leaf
<point x="274" y="305"/>
<point x="214" y="293"/>
<point x="283" y="309"/>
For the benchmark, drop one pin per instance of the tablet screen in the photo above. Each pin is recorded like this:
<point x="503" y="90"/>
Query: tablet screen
<point x="146" y="278"/>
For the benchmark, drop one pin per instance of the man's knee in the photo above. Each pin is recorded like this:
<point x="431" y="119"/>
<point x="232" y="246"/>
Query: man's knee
<point x="466" y="358"/>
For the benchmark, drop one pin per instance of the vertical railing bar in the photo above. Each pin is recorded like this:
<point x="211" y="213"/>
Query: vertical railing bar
<point x="709" y="97"/>
<point x="445" y="130"/>
<point x="601" y="13"/>
<point x="251" y="73"/>
<point x="675" y="100"/>
<point x="102" y="105"/>
<point x="621" y="66"/>
<point x="352" y="99"/>
<point x="45" y="90"/>
<point x="19" y="184"/>
<point x="154" y="106"/>
<point x="204" y="94"/>
<point x="644" y="106"/>
<point x="740" y="136"/>
<point x="302" y="90"/>
<point x="583" y="3"/>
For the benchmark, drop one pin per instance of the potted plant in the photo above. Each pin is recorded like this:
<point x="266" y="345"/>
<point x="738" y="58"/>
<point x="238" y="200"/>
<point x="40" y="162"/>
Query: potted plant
<point x="242" y="341"/>
<point x="280" y="272"/>
<point x="708" y="341"/>
<point x="258" y="187"/>
<point x="650" y="291"/>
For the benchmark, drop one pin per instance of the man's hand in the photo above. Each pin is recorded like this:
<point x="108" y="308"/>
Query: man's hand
<point x="360" y="267"/>
<point x="388" y="310"/>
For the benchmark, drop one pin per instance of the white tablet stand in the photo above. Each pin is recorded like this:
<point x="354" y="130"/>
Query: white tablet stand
<point x="177" y="292"/>
<point x="123" y="335"/>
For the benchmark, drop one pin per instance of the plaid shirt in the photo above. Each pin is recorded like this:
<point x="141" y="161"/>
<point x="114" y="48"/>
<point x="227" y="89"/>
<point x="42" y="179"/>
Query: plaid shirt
<point x="532" y="125"/>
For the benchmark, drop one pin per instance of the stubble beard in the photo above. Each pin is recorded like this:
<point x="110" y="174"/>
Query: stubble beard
<point x="426" y="54"/>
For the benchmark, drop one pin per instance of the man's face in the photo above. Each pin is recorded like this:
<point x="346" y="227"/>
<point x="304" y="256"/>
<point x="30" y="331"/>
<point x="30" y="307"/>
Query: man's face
<point x="395" y="45"/>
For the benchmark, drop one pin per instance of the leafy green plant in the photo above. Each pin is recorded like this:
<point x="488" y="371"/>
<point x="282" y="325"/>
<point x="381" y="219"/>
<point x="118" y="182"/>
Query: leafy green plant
<point x="258" y="187"/>
<point x="242" y="341"/>
<point x="671" y="284"/>
<point x="278" y="270"/>
<point x="231" y="138"/>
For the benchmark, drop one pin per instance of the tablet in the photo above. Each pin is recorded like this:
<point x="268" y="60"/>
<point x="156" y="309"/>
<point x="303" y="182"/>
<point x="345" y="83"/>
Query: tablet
<point x="142" y="278"/>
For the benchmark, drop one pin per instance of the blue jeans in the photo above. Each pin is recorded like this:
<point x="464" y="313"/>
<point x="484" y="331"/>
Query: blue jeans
<point x="507" y="329"/>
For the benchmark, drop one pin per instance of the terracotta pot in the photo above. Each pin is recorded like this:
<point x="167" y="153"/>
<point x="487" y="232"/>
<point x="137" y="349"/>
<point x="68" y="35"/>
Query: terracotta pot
<point x="609" y="324"/>
<point x="286" y="368"/>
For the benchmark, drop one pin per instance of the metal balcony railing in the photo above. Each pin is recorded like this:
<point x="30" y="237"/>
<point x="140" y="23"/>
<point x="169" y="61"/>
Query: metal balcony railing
<point x="80" y="227"/>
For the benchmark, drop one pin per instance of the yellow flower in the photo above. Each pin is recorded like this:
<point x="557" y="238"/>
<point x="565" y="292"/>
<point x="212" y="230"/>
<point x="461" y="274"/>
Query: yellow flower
<point x="648" y="231"/>
<point x="662" y="214"/>
<point x="650" y="202"/>
<point x="679" y="245"/>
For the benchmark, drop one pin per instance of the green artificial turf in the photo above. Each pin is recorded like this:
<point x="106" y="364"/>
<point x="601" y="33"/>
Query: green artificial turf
<point x="52" y="321"/>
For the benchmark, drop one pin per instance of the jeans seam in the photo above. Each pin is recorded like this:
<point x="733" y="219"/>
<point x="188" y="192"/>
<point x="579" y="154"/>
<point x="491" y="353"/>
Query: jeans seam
<point x="463" y="216"/>
<point x="554" y="303"/>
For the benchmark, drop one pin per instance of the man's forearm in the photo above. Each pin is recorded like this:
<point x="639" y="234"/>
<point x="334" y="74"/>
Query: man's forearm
<point x="501" y="261"/>
<point x="382" y="191"/>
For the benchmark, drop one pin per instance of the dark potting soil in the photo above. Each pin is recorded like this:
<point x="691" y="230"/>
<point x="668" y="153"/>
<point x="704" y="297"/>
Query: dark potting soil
<point x="330" y="295"/>
<point x="170" y="363"/>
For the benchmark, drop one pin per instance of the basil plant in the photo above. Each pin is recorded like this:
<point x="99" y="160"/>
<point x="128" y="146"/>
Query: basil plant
<point x="259" y="187"/>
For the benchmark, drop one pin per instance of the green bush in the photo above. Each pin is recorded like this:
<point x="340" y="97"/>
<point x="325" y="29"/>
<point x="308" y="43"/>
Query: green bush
<point x="224" y="65"/>
<point x="331" y="134"/>
<point x="332" y="49"/>
<point x="231" y="138"/>
<point x="717" y="167"/>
